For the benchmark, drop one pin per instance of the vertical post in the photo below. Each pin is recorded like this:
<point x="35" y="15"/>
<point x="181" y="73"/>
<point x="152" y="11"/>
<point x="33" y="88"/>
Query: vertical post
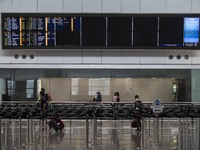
<point x="86" y="133"/>
<point x="161" y="132"/>
<point x="94" y="132"/>
<point x="70" y="124"/>
<point x="44" y="126"/>
<point x="20" y="132"/>
<point x="31" y="130"/>
<point x="143" y="146"/>
<point x="28" y="134"/>
<point x="156" y="130"/>
<point x="184" y="133"/>
<point x="0" y="131"/>
<point x="179" y="138"/>
<point x="41" y="133"/>
<point x="33" y="137"/>
<point x="198" y="133"/>
<point x="149" y="133"/>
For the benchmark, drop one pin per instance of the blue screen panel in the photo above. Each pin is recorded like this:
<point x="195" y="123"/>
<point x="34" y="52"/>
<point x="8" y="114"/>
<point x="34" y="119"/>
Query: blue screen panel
<point x="191" y="30"/>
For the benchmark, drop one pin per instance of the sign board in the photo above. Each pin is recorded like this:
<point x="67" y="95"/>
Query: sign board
<point x="157" y="106"/>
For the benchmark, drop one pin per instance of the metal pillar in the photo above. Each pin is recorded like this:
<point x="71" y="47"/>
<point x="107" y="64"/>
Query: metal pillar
<point x="0" y="131"/>
<point x="143" y="134"/>
<point x="20" y="132"/>
<point x="94" y="132"/>
<point x="156" y="131"/>
<point x="86" y="133"/>
<point x="198" y="133"/>
<point x="28" y="130"/>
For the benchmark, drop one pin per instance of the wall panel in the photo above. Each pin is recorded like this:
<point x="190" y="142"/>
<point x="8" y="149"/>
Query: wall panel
<point x="5" y="56"/>
<point x="50" y="6"/>
<point x="72" y="57"/>
<point x="130" y="57"/>
<point x="111" y="6"/>
<point x="195" y="57"/>
<point x="130" y="6"/>
<point x="92" y="57"/>
<point x="111" y="57"/>
<point x="72" y="6"/>
<point x="5" y="5"/>
<point x="24" y="6"/>
<point x="153" y="57"/>
<point x="50" y="57"/>
<point x="153" y="6"/>
<point x="92" y="6"/>
<point x="178" y="6"/>
<point x="195" y="6"/>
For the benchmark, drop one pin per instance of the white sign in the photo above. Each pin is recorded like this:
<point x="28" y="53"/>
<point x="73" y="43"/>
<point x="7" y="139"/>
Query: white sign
<point x="157" y="106"/>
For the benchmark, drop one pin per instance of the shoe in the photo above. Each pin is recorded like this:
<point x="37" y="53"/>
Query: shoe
<point x="138" y="130"/>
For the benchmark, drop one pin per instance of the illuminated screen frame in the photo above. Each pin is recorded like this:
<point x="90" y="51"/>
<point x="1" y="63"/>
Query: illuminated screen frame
<point x="78" y="35"/>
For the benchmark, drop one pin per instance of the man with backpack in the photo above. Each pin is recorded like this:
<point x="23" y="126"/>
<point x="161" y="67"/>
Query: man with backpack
<point x="47" y="96"/>
<point x="98" y="97"/>
<point x="138" y="109"/>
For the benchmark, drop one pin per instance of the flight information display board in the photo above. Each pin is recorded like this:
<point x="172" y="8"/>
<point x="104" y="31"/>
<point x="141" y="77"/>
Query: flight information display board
<point x="100" y="31"/>
<point x="38" y="32"/>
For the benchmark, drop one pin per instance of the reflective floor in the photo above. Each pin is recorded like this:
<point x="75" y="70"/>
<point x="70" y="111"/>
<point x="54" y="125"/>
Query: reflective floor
<point x="165" y="134"/>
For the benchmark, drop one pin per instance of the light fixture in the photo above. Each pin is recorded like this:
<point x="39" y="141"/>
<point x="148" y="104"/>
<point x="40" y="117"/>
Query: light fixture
<point x="24" y="56"/>
<point x="178" y="56"/>
<point x="31" y="56"/>
<point x="16" y="56"/>
<point x="186" y="56"/>
<point x="171" y="57"/>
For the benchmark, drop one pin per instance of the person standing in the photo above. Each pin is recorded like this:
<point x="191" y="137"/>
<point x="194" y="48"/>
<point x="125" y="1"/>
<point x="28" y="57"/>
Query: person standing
<point x="98" y="97"/>
<point x="43" y="102"/>
<point x="138" y="109"/>
<point x="116" y="97"/>
<point x="46" y="95"/>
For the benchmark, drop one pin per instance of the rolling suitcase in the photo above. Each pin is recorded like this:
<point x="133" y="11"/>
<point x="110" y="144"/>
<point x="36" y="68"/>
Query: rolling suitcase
<point x="134" y="122"/>
<point x="56" y="124"/>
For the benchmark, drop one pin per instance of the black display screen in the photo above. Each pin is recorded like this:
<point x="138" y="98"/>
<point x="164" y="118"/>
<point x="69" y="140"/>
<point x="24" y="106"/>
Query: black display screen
<point x="94" y="31"/>
<point x="120" y="31"/>
<point x="145" y="31"/>
<point x="100" y="31"/>
<point x="171" y="31"/>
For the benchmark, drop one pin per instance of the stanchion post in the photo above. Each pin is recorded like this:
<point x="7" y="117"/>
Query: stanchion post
<point x="143" y="131"/>
<point x="20" y="132"/>
<point x="28" y="134"/>
<point x="198" y="133"/>
<point x="94" y="131"/>
<point x="31" y="130"/>
<point x="0" y="131"/>
<point x="86" y="132"/>
<point x="149" y="127"/>
<point x="156" y="130"/>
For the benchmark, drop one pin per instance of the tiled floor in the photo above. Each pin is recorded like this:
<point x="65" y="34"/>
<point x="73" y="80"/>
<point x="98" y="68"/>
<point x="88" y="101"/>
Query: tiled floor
<point x="173" y="134"/>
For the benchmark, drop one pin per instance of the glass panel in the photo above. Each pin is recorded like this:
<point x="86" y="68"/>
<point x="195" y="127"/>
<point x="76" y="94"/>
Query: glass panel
<point x="82" y="84"/>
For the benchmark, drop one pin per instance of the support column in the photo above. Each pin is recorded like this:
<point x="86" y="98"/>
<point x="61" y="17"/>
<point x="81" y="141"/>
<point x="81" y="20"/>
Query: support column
<point x="2" y="88"/>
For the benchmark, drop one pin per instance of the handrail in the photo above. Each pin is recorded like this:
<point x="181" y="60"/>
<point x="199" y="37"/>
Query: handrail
<point x="102" y="103"/>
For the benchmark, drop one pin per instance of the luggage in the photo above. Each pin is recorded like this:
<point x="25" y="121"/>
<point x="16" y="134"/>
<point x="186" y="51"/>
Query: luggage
<point x="134" y="122"/>
<point x="56" y="124"/>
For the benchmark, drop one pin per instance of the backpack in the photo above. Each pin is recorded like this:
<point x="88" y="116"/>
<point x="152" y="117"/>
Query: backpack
<point x="47" y="97"/>
<point x="98" y="98"/>
<point x="138" y="105"/>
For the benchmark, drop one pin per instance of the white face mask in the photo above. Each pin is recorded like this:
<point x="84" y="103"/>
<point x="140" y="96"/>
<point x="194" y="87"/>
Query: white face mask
<point x="137" y="99"/>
